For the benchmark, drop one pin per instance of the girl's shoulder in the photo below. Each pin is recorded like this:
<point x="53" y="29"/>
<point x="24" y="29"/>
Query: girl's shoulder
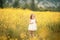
<point x="32" y="19"/>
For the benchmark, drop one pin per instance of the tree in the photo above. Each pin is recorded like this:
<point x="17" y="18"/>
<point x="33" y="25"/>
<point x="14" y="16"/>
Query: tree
<point x="16" y="4"/>
<point x="1" y="3"/>
<point x="32" y="5"/>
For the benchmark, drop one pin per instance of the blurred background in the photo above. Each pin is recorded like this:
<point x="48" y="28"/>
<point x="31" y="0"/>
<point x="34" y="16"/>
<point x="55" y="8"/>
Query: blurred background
<point x="15" y="14"/>
<point x="45" y="5"/>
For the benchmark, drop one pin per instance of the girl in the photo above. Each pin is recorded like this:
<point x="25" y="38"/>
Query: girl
<point x="32" y="25"/>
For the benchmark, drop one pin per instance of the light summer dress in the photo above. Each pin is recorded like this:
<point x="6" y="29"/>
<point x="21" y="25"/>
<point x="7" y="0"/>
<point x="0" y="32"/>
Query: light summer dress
<point x="32" y="25"/>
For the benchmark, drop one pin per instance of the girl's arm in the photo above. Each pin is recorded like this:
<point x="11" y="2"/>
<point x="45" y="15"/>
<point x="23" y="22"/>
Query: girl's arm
<point x="36" y="21"/>
<point x="30" y="22"/>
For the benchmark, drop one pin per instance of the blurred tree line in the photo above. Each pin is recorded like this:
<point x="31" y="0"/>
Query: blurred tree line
<point x="17" y="4"/>
<point x="30" y="4"/>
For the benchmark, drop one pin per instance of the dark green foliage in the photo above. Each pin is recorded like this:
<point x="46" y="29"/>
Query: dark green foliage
<point x="1" y="3"/>
<point x="16" y="4"/>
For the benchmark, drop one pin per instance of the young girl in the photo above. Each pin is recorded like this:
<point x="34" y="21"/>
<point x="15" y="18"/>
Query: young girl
<point x="32" y="25"/>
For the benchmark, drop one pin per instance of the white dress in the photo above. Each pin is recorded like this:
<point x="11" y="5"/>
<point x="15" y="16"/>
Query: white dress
<point x="32" y="25"/>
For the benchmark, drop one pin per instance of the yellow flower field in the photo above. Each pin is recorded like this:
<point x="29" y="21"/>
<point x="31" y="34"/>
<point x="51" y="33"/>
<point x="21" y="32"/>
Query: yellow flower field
<point x="14" y="24"/>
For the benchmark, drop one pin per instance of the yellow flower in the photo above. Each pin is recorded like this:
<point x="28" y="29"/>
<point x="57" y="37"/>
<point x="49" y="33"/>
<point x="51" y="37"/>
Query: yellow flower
<point x="22" y="35"/>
